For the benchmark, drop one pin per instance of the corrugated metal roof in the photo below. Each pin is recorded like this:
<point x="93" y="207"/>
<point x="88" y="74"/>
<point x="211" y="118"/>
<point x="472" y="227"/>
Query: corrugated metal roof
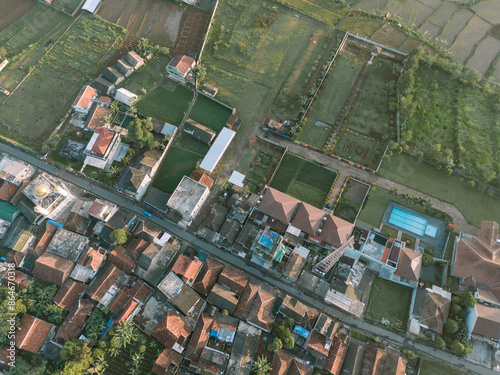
<point x="215" y="153"/>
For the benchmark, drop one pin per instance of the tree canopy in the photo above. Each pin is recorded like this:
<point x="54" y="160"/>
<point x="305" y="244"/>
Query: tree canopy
<point x="119" y="236"/>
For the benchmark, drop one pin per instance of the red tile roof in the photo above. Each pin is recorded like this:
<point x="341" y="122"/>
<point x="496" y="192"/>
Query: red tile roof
<point x="234" y="278"/>
<point x="336" y="357"/>
<point x="15" y="257"/>
<point x="136" y="248"/>
<point x="103" y="140"/>
<point x="208" y="276"/>
<point x="120" y="259"/>
<point x="488" y="321"/>
<point x="182" y="62"/>
<point x="278" y="205"/>
<point x="97" y="116"/>
<point x="105" y="281"/>
<point x="43" y="240"/>
<point x="335" y="231"/>
<point x="202" y="178"/>
<point x="255" y="305"/>
<point x="32" y="333"/>
<point x="285" y="364"/>
<point x="127" y="311"/>
<point x="409" y="264"/>
<point x="91" y="259"/>
<point x="167" y="358"/>
<point x="84" y="98"/>
<point x="316" y="344"/>
<point x="187" y="268"/>
<point x="96" y="209"/>
<point x="200" y="337"/>
<point x="68" y="294"/>
<point x="171" y="330"/>
<point x="75" y="321"/>
<point x="435" y="311"/>
<point x="52" y="268"/>
<point x="7" y="190"/>
<point x="20" y="280"/>
<point x="308" y="218"/>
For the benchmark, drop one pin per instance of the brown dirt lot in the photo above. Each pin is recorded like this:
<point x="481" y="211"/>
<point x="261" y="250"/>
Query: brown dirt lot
<point x="127" y="13"/>
<point x="193" y="26"/>
<point x="167" y="27"/>
<point x="150" y="18"/>
<point x="11" y="11"/>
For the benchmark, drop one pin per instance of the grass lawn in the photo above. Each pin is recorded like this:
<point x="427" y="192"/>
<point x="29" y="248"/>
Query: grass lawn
<point x="322" y="9"/>
<point x="168" y="102"/>
<point x="410" y="241"/>
<point x="374" y="208"/>
<point x="30" y="114"/>
<point x="361" y="25"/>
<point x="68" y="6"/>
<point x="448" y="254"/>
<point x="431" y="367"/>
<point x="329" y="103"/>
<point x="304" y="180"/>
<point x="359" y="148"/>
<point x="347" y="209"/>
<point x="389" y="301"/>
<point x="409" y="171"/>
<point x="147" y="76"/>
<point x="73" y="163"/>
<point x="102" y="176"/>
<point x="210" y="113"/>
<point x="389" y="232"/>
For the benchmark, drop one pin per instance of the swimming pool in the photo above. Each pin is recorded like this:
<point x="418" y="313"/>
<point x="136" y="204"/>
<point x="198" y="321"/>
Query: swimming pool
<point x="408" y="221"/>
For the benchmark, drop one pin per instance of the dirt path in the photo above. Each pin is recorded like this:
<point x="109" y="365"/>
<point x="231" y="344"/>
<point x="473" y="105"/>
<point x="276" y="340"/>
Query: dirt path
<point x="346" y="169"/>
<point x="336" y="191"/>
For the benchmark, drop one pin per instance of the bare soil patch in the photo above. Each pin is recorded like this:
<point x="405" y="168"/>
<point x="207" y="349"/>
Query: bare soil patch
<point x="11" y="11"/>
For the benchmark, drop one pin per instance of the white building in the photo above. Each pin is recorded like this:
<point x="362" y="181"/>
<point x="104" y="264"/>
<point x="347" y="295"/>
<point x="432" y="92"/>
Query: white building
<point x="124" y="96"/>
<point x="188" y="198"/>
<point x="217" y="150"/>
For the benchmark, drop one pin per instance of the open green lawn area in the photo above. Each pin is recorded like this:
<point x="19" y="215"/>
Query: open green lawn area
<point x="180" y="161"/>
<point x="410" y="241"/>
<point x="389" y="232"/>
<point x="448" y="254"/>
<point x="329" y="103"/>
<point x="389" y="301"/>
<point x="409" y="171"/>
<point x="347" y="209"/>
<point x="31" y="113"/>
<point x="31" y="28"/>
<point x="209" y="113"/>
<point x="304" y="180"/>
<point x="167" y="102"/>
<point x="359" y="148"/>
<point x="325" y="10"/>
<point x="431" y="367"/>
<point x="374" y="208"/>
<point x="147" y="76"/>
<point x="370" y="114"/>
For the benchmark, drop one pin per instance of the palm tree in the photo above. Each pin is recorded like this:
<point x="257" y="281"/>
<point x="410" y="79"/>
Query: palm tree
<point x="261" y="366"/>
<point x="394" y="191"/>
<point x="112" y="171"/>
<point x="124" y="334"/>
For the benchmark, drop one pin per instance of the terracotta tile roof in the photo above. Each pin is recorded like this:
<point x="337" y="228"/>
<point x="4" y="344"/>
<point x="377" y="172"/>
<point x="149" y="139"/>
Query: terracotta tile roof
<point x="96" y="209"/>
<point x="103" y="140"/>
<point x="75" y="321"/>
<point x="182" y="62"/>
<point x="120" y="259"/>
<point x="19" y="196"/>
<point x="316" y="344"/>
<point x="394" y="364"/>
<point x="373" y="362"/>
<point x="488" y="321"/>
<point x="97" y="116"/>
<point x="234" y="278"/>
<point x="105" y="281"/>
<point x="308" y="218"/>
<point x="245" y="301"/>
<point x="336" y="357"/>
<point x="91" y="259"/>
<point x="20" y="280"/>
<point x="139" y="292"/>
<point x="255" y="305"/>
<point x="335" y="230"/>
<point x="435" y="312"/>
<point x="32" y="333"/>
<point x="278" y="205"/>
<point x="69" y="293"/>
<point x="52" y="268"/>
<point x="119" y="300"/>
<point x="167" y="358"/>
<point x="15" y="257"/>
<point x="309" y="319"/>
<point x="285" y="364"/>
<point x="43" y="240"/>
<point x="202" y="178"/>
<point x="208" y="276"/>
<point x="84" y="98"/>
<point x="73" y="222"/>
<point x="187" y="268"/>
<point x="7" y="190"/>
<point x="298" y="368"/>
<point x="409" y="264"/>
<point x="171" y="330"/>
<point x="147" y="231"/>
<point x="136" y="248"/>
<point x="200" y="337"/>
<point x="129" y="309"/>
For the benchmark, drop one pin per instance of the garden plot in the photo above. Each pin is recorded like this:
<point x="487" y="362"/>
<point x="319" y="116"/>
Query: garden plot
<point x="456" y="24"/>
<point x="368" y="5"/>
<point x="496" y="70"/>
<point x="484" y="54"/>
<point x="11" y="11"/>
<point x="68" y="6"/>
<point x="304" y="180"/>
<point x="328" y="106"/>
<point x="389" y="35"/>
<point x="430" y="28"/>
<point x="476" y="30"/>
<point x="168" y="24"/>
<point x="361" y="25"/>
<point x="359" y="148"/>
<point x="432" y="3"/>
<point x="489" y="10"/>
<point x="411" y="11"/>
<point x="322" y="9"/>
<point x="127" y="13"/>
<point x="137" y="17"/>
<point x="410" y="45"/>
<point x="442" y="15"/>
<point x="351" y="200"/>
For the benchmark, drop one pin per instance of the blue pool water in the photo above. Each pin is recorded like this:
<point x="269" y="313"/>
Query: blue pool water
<point x="431" y="230"/>
<point x="408" y="221"/>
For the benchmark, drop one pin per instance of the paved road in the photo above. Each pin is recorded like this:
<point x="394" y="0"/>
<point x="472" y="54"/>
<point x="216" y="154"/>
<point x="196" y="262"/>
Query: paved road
<point x="243" y="264"/>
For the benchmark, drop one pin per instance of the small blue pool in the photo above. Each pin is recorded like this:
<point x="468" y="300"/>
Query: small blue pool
<point x="408" y="221"/>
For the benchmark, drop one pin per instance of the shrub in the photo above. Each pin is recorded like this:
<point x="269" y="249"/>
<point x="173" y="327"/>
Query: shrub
<point x="439" y="342"/>
<point x="451" y="326"/>
<point x="427" y="260"/>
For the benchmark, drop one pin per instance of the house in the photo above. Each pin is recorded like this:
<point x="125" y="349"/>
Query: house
<point x="483" y="323"/>
<point x="103" y="85"/>
<point x="433" y="312"/>
<point x="72" y="327"/>
<point x="104" y="286"/>
<point x="88" y="264"/>
<point x="137" y="291"/>
<point x="14" y="171"/>
<point x="209" y="90"/>
<point x="296" y="263"/>
<point x="285" y="364"/>
<point x="223" y="298"/>
<point x="164" y="128"/>
<point x="76" y="223"/>
<point x="113" y="75"/>
<point x="7" y="190"/>
<point x="133" y="182"/>
<point x="134" y="59"/>
<point x="121" y="260"/>
<point x="155" y="259"/>
<point x="136" y="247"/>
<point x="198" y="131"/>
<point x="124" y="67"/>
<point x="188" y="198"/>
<point x="53" y="268"/>
<point x="244" y="348"/>
<point x="149" y="162"/>
<point x="157" y="199"/>
<point x="172" y="332"/>
<point x="217" y="150"/>
<point x="147" y="231"/>
<point x="233" y="278"/>
<point x="299" y="312"/>
<point x="32" y="333"/>
<point x="84" y="100"/>
<point x="255" y="305"/>
<point x="207" y="276"/>
<point x="15" y="257"/>
<point x="98" y="116"/>
<point x="69" y="293"/>
<point x="378" y="361"/>
<point x="181" y="66"/>
<point x="200" y="337"/>
<point x="202" y="178"/>
<point x="233" y="122"/>
<point x="19" y="280"/>
<point x="67" y="244"/>
<point x="102" y="210"/>
<point x="167" y="362"/>
<point x="187" y="269"/>
<point x="124" y="96"/>
<point x="336" y="355"/>
<point x="43" y="240"/>
<point x="102" y="148"/>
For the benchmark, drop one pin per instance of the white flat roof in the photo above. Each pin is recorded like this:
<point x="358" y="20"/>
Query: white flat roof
<point x="237" y="178"/>
<point x="94" y="162"/>
<point x="215" y="153"/>
<point x="93" y="139"/>
<point x="91" y="5"/>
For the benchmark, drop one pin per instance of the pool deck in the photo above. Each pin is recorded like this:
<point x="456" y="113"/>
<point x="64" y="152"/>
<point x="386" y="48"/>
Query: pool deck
<point x="438" y="241"/>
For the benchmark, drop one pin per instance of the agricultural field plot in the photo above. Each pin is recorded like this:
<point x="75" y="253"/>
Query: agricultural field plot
<point x="496" y="70"/>
<point x="127" y="12"/>
<point x="370" y="114"/>
<point x="32" y="111"/>
<point x="488" y="9"/>
<point x="442" y="14"/>
<point x="430" y="28"/>
<point x="361" y="25"/>
<point x="456" y="24"/>
<point x="321" y="9"/>
<point x="68" y="6"/>
<point x="30" y="28"/>
<point x="360" y="149"/>
<point x="191" y="33"/>
<point x="180" y="161"/>
<point x="390" y="36"/>
<point x="210" y="113"/>
<point x="10" y="11"/>
<point x="168" y="25"/>
<point x="432" y="367"/>
<point x="368" y="5"/>
<point x="304" y="180"/>
<point x="410" y="45"/>
<point x="148" y="77"/>
<point x="484" y="54"/>
<point x="167" y="102"/>
<point x="328" y="105"/>
<point x="259" y="163"/>
<point x="476" y="30"/>
<point x="411" y="11"/>
<point x="350" y="201"/>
